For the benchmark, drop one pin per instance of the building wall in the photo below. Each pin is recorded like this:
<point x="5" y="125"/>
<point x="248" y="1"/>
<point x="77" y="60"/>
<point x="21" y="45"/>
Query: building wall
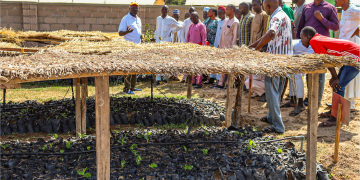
<point x="80" y="17"/>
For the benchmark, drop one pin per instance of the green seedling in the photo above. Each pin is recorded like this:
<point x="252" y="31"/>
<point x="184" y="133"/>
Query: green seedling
<point x="134" y="152"/>
<point x="245" y="131"/>
<point x="153" y="165"/>
<point x="205" y="151"/>
<point x="279" y="151"/>
<point x="123" y="163"/>
<point x="267" y="139"/>
<point x="122" y="141"/>
<point x="251" y="144"/>
<point x="56" y="136"/>
<point x="188" y="167"/>
<point x="241" y="134"/>
<point x="68" y="144"/>
<point x="51" y="144"/>
<point x="116" y="131"/>
<point x="236" y="132"/>
<point x="140" y="136"/>
<point x="62" y="159"/>
<point x="88" y="148"/>
<point x="207" y="132"/>
<point x="142" y="178"/>
<point x="147" y="136"/>
<point x="82" y="173"/>
<point x="4" y="146"/>
<point x="185" y="149"/>
<point x="255" y="129"/>
<point x="133" y="146"/>
<point x="44" y="147"/>
<point x="82" y="135"/>
<point x="331" y="175"/>
<point x="61" y="151"/>
<point x="138" y="159"/>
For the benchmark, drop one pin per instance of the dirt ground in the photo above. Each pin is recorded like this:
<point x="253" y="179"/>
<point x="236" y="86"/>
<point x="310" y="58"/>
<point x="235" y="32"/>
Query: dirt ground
<point x="346" y="168"/>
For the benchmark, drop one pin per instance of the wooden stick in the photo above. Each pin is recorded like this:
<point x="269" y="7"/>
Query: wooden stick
<point x="312" y="127"/>
<point x="238" y="117"/>
<point x="285" y="86"/>
<point x="19" y="49"/>
<point x="84" y="95"/>
<point x="337" y="135"/>
<point x="249" y="101"/>
<point x="102" y="112"/>
<point x="78" y="107"/>
<point x="237" y="102"/>
<point x="189" y="88"/>
<point x="229" y="102"/>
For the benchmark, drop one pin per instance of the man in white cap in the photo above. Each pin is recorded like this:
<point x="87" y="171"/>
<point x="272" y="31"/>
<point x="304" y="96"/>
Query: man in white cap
<point x="205" y="12"/>
<point x="175" y="37"/>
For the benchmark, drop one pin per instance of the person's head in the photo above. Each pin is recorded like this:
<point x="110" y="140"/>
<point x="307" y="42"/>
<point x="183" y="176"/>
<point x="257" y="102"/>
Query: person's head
<point x="221" y="12"/>
<point x="205" y="12"/>
<point x="341" y="2"/>
<point x="270" y="6"/>
<point x="257" y="6"/>
<point x="194" y="17"/>
<point x="212" y="12"/>
<point x="281" y="2"/>
<point x="244" y="8"/>
<point x="230" y="10"/>
<point x="134" y="8"/>
<point x="164" y="10"/>
<point x="306" y="34"/>
<point x="191" y="10"/>
<point x="176" y="14"/>
<point x="238" y="13"/>
<point x="187" y="15"/>
<point x="295" y="1"/>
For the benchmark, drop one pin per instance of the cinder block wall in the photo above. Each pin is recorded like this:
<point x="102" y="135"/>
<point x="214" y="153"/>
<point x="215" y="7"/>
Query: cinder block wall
<point x="82" y="17"/>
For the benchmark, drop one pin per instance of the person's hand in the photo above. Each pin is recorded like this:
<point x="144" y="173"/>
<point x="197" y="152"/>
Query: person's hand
<point x="318" y="15"/>
<point x="356" y="33"/>
<point x="129" y="30"/>
<point x="334" y="83"/>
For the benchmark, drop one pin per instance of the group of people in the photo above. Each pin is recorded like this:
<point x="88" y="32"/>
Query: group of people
<point x="274" y="28"/>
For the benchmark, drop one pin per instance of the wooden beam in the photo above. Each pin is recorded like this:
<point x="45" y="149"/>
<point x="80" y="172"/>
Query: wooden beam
<point x="249" y="99"/>
<point x="84" y="95"/>
<point x="189" y="88"/>
<point x="229" y="98"/>
<point x="337" y="134"/>
<point x="118" y="73"/>
<point x="312" y="126"/>
<point x="77" y="107"/>
<point x="237" y="109"/>
<point x="102" y="111"/>
<point x="19" y="49"/>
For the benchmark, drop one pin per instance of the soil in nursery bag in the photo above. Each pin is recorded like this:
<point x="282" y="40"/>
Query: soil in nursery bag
<point x="202" y="161"/>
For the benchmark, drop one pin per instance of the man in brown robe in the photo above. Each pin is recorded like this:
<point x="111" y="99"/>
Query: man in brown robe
<point x="258" y="26"/>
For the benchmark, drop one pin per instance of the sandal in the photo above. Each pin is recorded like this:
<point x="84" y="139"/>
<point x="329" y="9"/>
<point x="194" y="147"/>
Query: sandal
<point x="327" y="124"/>
<point x="296" y="111"/>
<point x="265" y="119"/>
<point x="325" y="114"/>
<point x="262" y="98"/>
<point x="271" y="129"/>
<point x="287" y="105"/>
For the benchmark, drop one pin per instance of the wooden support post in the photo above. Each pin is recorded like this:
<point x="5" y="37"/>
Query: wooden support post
<point x="84" y="95"/>
<point x="102" y="111"/>
<point x="237" y="110"/>
<point x="285" y="86"/>
<point x="337" y="135"/>
<point x="77" y="106"/>
<point x="189" y="88"/>
<point x="312" y="127"/>
<point x="229" y="102"/>
<point x="249" y="101"/>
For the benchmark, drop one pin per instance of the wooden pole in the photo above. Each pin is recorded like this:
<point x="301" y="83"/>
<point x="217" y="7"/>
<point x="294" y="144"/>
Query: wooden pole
<point x="102" y="112"/>
<point x="249" y="100"/>
<point x="77" y="107"/>
<point x="229" y="98"/>
<point x="237" y="109"/>
<point x="84" y="95"/>
<point x="312" y="127"/>
<point x="337" y="135"/>
<point x="285" y="86"/>
<point x="189" y="88"/>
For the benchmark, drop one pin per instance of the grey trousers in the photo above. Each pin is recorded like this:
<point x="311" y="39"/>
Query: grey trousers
<point x="273" y="89"/>
<point x="130" y="82"/>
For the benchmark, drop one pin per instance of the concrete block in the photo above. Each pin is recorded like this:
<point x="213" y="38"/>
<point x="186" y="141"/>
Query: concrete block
<point x="105" y="8"/>
<point x="98" y="14"/>
<point x="71" y="27"/>
<point x="63" y="20"/>
<point x="112" y="14"/>
<point x="84" y="27"/>
<point x="90" y="21"/>
<point x="50" y="20"/>
<point x="44" y="27"/>
<point x="77" y="20"/>
<point x="71" y="14"/>
<point x="57" y="13"/>
<point x="55" y="27"/>
<point x="103" y="21"/>
<point x="97" y="27"/>
<point x="86" y="14"/>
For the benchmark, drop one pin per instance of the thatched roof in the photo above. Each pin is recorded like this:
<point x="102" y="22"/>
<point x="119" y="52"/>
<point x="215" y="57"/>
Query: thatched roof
<point x="178" y="58"/>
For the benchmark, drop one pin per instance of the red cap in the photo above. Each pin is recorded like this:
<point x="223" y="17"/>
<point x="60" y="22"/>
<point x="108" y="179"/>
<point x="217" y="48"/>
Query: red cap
<point x="222" y="8"/>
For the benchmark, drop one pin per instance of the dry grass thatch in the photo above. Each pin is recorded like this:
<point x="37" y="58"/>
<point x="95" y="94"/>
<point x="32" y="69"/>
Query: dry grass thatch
<point x="178" y="58"/>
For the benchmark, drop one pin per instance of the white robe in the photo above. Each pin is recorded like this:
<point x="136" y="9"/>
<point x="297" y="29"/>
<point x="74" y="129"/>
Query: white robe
<point x="350" y="21"/>
<point x="178" y="34"/>
<point x="164" y="27"/>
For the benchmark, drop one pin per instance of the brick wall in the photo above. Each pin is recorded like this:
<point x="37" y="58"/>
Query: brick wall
<point x="81" y="17"/>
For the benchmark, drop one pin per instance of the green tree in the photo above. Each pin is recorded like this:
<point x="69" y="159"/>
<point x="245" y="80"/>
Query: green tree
<point x="175" y="2"/>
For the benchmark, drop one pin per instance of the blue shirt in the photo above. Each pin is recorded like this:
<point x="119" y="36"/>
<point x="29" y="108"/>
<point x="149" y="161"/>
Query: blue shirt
<point x="133" y="23"/>
<point x="218" y="32"/>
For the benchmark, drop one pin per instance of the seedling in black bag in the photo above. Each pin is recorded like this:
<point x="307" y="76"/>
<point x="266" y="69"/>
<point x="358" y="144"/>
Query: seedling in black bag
<point x="135" y="152"/>
<point x="236" y="132"/>
<point x="51" y="144"/>
<point x="153" y="165"/>
<point x="44" y="147"/>
<point x="82" y="173"/>
<point x="4" y="146"/>
<point x="133" y="146"/>
<point x="188" y="167"/>
<point x="185" y="149"/>
<point x="207" y="132"/>
<point x="251" y="144"/>
<point x="56" y="136"/>
<point x="138" y="159"/>
<point x="122" y="141"/>
<point x="279" y="151"/>
<point x="205" y="151"/>
<point x="123" y="163"/>
<point x="147" y="136"/>
<point x="88" y="148"/>
<point x="82" y="135"/>
<point x="68" y="144"/>
<point x="61" y="151"/>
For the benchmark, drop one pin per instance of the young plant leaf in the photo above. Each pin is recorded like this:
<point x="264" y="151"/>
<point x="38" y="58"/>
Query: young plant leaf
<point x="87" y="175"/>
<point x="153" y="165"/>
<point x="185" y="149"/>
<point x="205" y="151"/>
<point x="61" y="151"/>
<point x="68" y="144"/>
<point x="188" y="167"/>
<point x="56" y="136"/>
<point x="279" y="151"/>
<point x="51" y="144"/>
<point x="88" y="148"/>
<point x="123" y="163"/>
<point x="133" y="146"/>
